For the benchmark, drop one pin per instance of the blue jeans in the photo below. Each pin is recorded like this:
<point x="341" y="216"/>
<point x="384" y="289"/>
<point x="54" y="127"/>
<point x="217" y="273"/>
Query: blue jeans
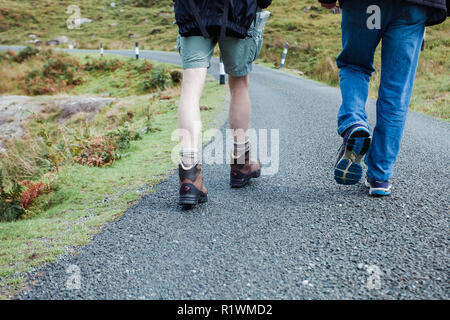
<point x="401" y="31"/>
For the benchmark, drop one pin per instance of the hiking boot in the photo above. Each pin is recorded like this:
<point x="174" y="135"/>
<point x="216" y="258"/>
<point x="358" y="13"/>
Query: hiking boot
<point x="242" y="170"/>
<point x="192" y="190"/>
<point x="378" y="188"/>
<point x="348" y="169"/>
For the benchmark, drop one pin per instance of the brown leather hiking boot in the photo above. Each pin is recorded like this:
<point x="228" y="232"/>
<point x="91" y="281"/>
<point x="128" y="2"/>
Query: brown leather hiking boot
<point x="192" y="190"/>
<point x="242" y="170"/>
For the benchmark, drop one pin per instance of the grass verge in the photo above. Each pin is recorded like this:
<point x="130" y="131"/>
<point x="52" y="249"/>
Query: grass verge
<point x="84" y="197"/>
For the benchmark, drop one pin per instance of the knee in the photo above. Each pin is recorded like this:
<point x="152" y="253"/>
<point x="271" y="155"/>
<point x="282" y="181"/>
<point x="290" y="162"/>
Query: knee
<point x="392" y="112"/>
<point x="238" y="84"/>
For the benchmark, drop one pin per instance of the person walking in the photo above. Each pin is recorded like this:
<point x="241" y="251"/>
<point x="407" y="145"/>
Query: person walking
<point x="400" y="25"/>
<point x="202" y="25"/>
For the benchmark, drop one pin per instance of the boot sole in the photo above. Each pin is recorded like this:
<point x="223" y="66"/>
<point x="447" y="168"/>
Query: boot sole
<point x="242" y="182"/>
<point x="192" y="200"/>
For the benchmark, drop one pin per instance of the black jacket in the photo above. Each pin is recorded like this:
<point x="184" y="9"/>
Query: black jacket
<point x="214" y="18"/>
<point x="436" y="16"/>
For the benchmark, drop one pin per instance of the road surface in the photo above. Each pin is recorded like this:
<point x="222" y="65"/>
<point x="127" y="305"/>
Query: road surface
<point x="293" y="235"/>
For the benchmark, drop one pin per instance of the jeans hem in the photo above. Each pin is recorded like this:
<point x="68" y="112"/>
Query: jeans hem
<point x="341" y="129"/>
<point x="383" y="177"/>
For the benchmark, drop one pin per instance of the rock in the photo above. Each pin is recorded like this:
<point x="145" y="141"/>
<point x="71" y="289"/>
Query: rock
<point x="52" y="42"/>
<point x="13" y="110"/>
<point x="74" y="105"/>
<point x="132" y="35"/>
<point x="114" y="24"/>
<point x="62" y="39"/>
<point x="35" y="42"/>
<point x="58" y="40"/>
<point x="82" y="21"/>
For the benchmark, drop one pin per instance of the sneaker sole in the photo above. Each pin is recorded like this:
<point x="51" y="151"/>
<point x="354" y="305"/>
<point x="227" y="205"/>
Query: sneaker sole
<point x="379" y="192"/>
<point x="348" y="170"/>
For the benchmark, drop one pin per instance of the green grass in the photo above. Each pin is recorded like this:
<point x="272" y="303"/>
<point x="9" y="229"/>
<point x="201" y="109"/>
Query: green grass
<point x="85" y="198"/>
<point x="312" y="32"/>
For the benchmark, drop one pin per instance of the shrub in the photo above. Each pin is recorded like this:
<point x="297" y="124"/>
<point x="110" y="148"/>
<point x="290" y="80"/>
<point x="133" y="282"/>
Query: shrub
<point x="26" y="53"/>
<point x="99" y="152"/>
<point x="63" y="68"/>
<point x="176" y="76"/>
<point x="10" y="202"/>
<point x="58" y="73"/>
<point x="103" y="64"/>
<point x="159" y="79"/>
<point x="35" y="84"/>
<point x="33" y="191"/>
<point x="103" y="151"/>
<point x="145" y="67"/>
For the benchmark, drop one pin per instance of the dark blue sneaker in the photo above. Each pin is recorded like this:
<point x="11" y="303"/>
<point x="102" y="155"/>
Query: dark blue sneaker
<point x="378" y="188"/>
<point x="348" y="169"/>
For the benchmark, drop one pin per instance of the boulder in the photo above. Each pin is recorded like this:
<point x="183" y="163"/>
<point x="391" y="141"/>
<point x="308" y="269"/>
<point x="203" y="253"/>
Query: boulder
<point x="13" y="110"/>
<point x="58" y="40"/>
<point x="82" y="21"/>
<point x="74" y="105"/>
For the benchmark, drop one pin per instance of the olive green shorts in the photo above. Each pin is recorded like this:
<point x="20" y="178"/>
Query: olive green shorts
<point x="237" y="54"/>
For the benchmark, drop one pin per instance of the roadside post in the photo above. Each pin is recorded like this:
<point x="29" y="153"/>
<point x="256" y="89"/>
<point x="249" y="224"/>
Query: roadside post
<point x="283" y="58"/>
<point x="137" y="50"/>
<point x="222" y="72"/>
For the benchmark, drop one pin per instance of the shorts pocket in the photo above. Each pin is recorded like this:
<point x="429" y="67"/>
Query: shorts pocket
<point x="255" y="43"/>
<point x="178" y="45"/>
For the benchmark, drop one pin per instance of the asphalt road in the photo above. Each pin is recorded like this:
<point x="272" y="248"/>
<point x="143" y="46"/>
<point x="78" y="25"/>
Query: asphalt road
<point x="293" y="235"/>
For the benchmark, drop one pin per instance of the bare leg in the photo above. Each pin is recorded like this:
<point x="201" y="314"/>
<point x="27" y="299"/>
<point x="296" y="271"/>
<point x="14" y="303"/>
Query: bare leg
<point x="240" y="107"/>
<point x="190" y="125"/>
<point x="242" y="168"/>
<point x="189" y="121"/>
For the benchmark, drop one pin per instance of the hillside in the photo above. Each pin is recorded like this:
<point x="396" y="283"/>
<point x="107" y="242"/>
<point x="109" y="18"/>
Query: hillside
<point x="312" y="32"/>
